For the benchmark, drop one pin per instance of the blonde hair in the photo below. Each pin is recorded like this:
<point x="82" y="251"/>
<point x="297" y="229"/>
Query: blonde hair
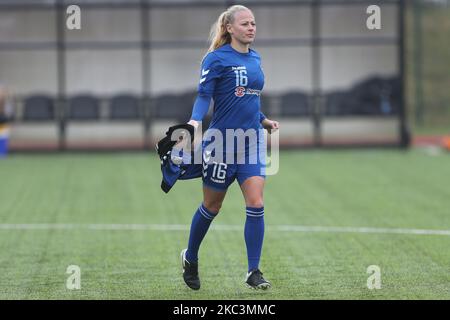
<point x="219" y="34"/>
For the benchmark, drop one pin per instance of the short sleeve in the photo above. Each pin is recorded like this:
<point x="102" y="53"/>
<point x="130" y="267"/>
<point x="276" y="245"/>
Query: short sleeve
<point x="210" y="72"/>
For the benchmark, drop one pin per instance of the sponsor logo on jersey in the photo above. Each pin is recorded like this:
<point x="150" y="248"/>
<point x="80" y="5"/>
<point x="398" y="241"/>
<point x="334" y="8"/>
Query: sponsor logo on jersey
<point x="239" y="91"/>
<point x="253" y="91"/>
<point x="242" y="91"/>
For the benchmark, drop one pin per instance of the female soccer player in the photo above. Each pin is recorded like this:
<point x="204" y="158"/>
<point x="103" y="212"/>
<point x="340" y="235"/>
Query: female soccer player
<point x="231" y="75"/>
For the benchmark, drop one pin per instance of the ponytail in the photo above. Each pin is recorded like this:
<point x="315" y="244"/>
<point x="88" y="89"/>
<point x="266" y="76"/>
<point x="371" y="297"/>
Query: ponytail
<point x="219" y="34"/>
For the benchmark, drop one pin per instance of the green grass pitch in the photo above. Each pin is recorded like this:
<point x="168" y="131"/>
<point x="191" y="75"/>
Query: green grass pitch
<point x="70" y="209"/>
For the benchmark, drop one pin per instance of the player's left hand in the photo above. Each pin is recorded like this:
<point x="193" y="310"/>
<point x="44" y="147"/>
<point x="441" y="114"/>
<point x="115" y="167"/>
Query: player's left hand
<point x="270" y="125"/>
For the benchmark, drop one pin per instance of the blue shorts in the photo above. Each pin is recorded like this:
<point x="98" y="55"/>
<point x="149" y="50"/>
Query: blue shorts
<point x="220" y="175"/>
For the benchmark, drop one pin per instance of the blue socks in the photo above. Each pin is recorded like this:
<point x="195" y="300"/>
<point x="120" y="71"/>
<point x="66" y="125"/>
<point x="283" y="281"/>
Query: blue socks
<point x="254" y="235"/>
<point x="199" y="226"/>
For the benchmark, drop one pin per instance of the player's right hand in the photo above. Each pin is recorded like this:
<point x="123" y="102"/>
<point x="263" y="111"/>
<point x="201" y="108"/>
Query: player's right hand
<point x="194" y="123"/>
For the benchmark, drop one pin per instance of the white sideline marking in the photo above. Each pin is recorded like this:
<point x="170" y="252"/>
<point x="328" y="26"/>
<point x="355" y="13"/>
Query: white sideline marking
<point x="183" y="227"/>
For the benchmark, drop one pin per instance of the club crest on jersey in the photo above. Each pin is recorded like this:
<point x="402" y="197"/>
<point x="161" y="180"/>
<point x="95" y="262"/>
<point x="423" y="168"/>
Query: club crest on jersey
<point x="239" y="92"/>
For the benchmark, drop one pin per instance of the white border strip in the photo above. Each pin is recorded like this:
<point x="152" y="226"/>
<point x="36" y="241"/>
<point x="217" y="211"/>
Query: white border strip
<point x="181" y="227"/>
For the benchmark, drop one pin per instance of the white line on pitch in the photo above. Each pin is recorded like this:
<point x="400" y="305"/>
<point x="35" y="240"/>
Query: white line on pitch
<point x="218" y="227"/>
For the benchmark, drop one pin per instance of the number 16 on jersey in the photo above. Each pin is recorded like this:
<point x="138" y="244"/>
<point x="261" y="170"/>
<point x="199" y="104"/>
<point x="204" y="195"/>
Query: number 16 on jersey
<point x="241" y="78"/>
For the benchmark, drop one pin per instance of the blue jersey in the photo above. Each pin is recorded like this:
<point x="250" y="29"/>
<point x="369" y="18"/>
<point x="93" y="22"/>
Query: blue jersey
<point x="234" y="80"/>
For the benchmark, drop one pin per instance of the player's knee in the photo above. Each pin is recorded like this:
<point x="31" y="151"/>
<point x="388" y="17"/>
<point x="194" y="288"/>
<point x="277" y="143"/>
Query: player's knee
<point x="213" y="206"/>
<point x="255" y="203"/>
